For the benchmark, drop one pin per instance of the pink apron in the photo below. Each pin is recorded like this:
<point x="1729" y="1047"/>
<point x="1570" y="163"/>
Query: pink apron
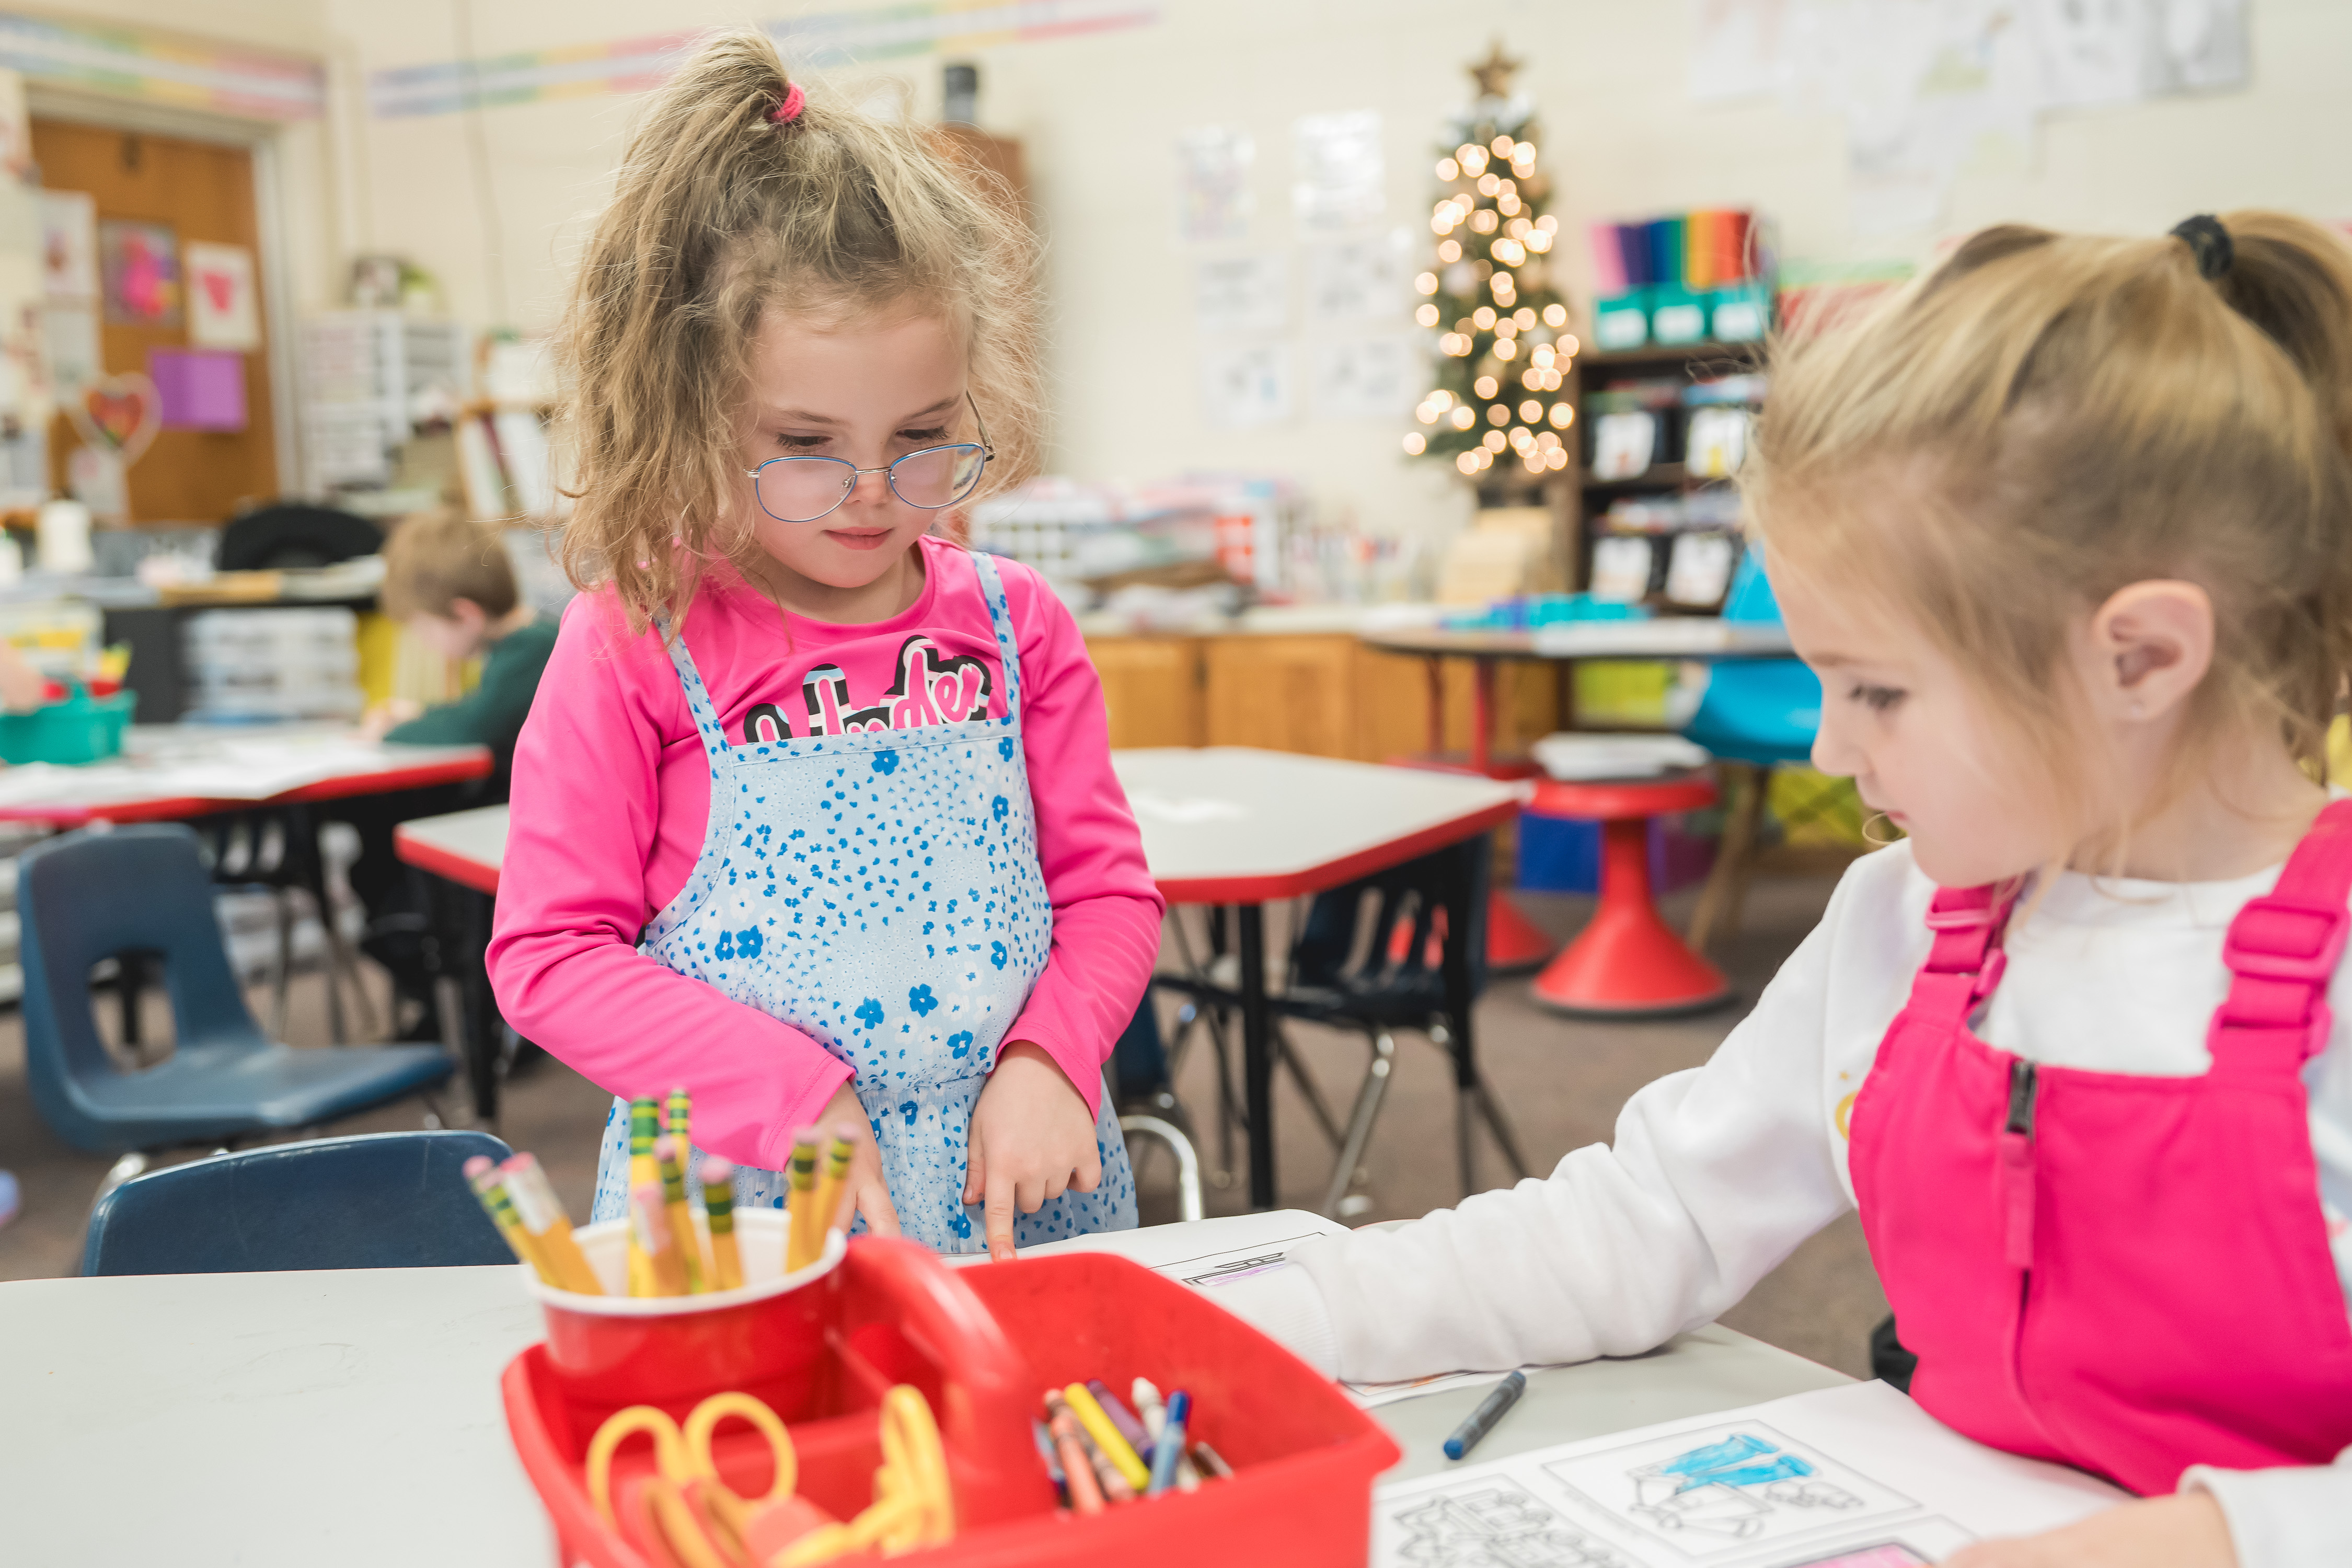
<point x="2127" y="1274"/>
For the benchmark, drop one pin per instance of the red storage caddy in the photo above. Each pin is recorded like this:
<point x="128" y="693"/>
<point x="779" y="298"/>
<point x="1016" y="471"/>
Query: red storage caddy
<point x="983" y="1344"/>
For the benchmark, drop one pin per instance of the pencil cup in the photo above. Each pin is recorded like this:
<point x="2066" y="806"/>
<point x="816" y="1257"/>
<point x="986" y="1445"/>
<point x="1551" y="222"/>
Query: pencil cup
<point x="766" y="1336"/>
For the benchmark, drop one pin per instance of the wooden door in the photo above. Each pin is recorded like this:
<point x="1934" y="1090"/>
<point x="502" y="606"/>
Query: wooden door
<point x="1152" y="688"/>
<point x="202" y="192"/>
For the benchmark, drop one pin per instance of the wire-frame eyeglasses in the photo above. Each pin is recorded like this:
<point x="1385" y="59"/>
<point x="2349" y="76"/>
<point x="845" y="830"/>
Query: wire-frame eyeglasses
<point x="802" y="490"/>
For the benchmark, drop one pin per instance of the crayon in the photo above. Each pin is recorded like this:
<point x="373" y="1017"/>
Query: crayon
<point x="1213" y="1464"/>
<point x="668" y="1152"/>
<point x="1045" y="1451"/>
<point x="1107" y="1480"/>
<point x="1098" y="1424"/>
<point x="1131" y="1428"/>
<point x="482" y="1175"/>
<point x="1077" y="1471"/>
<point x="832" y="1176"/>
<point x="649" y="1227"/>
<point x="550" y="1229"/>
<point x="1163" y="1461"/>
<point x="645" y="1126"/>
<point x="1148" y="1407"/>
<point x="804" y="1235"/>
<point x="719" y="1206"/>
<point x="1481" y="1420"/>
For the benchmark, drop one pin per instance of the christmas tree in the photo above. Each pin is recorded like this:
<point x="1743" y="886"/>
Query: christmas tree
<point x="1501" y="349"/>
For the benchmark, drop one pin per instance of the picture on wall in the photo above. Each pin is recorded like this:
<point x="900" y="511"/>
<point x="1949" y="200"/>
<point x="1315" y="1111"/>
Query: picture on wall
<point x="222" y="311"/>
<point x="139" y="265"/>
<point x="69" y="244"/>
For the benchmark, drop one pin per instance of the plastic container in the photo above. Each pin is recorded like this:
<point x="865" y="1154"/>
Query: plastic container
<point x="1621" y="320"/>
<point x="983" y="1344"/>
<point x="81" y="729"/>
<point x="1677" y="315"/>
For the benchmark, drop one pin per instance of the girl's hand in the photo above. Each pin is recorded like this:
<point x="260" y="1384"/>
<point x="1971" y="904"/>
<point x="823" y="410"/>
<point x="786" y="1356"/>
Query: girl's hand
<point x="2185" y="1530"/>
<point x="1032" y="1139"/>
<point x="865" y="1191"/>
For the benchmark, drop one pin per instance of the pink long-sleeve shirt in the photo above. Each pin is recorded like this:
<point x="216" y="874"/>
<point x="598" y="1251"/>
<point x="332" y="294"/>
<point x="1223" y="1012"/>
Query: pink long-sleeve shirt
<point x="612" y="793"/>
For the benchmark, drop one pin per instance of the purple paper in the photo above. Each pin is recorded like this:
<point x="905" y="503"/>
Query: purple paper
<point x="199" y="389"/>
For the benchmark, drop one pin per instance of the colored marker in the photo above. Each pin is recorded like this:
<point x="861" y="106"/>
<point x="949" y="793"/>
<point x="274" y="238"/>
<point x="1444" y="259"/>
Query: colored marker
<point x="1148" y="1407"/>
<point x="649" y="1225"/>
<point x="1107" y="1438"/>
<point x="718" y="1206"/>
<point x="482" y="1175"/>
<point x="1078" y="1469"/>
<point x="832" y="1176"/>
<point x="550" y="1229"/>
<point x="1213" y="1464"/>
<point x="666" y="1152"/>
<point x="645" y="1126"/>
<point x="804" y="1235"/>
<point x="1163" y="1459"/>
<point x="1490" y="1410"/>
<point x="1133" y="1430"/>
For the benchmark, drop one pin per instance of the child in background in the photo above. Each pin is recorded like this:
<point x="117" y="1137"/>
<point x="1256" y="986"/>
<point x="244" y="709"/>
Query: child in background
<point x="448" y="581"/>
<point x="851" y="782"/>
<point x="2066" y="531"/>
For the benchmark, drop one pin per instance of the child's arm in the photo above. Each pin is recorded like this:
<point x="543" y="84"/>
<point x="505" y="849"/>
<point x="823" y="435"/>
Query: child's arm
<point x="572" y="899"/>
<point x="1032" y="1131"/>
<point x="1716" y="1173"/>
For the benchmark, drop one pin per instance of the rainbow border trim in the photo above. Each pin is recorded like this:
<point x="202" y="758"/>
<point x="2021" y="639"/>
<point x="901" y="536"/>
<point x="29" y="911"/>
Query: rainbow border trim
<point x="160" y="69"/>
<point x="833" y="38"/>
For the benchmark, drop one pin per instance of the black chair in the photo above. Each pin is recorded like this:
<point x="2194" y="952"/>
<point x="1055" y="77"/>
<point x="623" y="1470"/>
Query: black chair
<point x="380" y="1200"/>
<point x="279" y="536"/>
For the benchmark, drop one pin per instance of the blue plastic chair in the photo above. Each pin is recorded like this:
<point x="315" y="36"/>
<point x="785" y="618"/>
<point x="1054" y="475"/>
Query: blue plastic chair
<point x="1755" y="715"/>
<point x="88" y="897"/>
<point x="380" y="1200"/>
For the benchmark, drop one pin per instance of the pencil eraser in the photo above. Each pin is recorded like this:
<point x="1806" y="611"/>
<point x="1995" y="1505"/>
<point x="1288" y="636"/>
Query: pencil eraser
<point x="717" y="1168"/>
<point x="476" y="1165"/>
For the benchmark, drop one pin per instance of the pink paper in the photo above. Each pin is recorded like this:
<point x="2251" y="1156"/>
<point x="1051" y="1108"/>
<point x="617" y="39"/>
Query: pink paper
<point x="200" y="389"/>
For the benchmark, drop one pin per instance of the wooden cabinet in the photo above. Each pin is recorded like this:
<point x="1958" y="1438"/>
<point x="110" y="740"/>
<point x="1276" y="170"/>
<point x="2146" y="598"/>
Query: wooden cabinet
<point x="1152" y="689"/>
<point x="1323" y="694"/>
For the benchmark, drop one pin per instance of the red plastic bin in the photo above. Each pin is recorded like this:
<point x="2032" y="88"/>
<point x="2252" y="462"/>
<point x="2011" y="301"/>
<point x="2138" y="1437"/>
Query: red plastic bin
<point x="983" y="1344"/>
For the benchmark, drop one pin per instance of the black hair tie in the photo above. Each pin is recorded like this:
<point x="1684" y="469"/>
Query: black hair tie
<point x="2205" y="235"/>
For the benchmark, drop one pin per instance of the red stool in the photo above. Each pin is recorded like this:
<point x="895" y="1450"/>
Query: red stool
<point x="1627" y="963"/>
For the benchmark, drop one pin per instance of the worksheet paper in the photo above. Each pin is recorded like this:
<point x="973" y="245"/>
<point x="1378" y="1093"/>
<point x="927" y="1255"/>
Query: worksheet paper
<point x="1854" y="1476"/>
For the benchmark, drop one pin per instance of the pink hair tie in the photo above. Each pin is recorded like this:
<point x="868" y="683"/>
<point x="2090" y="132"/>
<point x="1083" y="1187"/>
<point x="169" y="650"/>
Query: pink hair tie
<point x="790" y="109"/>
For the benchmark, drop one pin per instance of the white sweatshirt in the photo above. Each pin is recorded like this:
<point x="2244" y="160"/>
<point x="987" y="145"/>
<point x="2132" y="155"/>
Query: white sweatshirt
<point x="1718" y="1173"/>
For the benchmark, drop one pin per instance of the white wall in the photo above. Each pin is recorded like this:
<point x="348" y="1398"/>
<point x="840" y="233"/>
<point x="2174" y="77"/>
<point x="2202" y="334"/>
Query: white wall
<point x="1099" y="114"/>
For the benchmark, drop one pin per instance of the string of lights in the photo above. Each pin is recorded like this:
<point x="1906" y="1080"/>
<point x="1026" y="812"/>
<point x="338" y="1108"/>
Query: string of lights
<point x="1502" y="350"/>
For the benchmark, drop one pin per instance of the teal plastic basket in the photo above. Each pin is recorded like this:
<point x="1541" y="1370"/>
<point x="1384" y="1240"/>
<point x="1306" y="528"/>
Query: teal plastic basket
<point x="81" y="729"/>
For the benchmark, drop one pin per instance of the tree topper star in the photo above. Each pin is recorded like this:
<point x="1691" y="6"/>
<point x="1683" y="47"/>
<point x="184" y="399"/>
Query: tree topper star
<point x="1493" y="73"/>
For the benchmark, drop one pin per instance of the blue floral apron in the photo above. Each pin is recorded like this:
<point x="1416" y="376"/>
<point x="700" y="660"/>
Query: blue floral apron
<point x="879" y="891"/>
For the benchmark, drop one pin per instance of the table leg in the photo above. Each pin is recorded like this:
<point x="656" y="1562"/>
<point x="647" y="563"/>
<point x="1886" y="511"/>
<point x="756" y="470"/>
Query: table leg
<point x="1462" y="889"/>
<point x="1481" y="720"/>
<point x="1258" y="1056"/>
<point x="1435" y="669"/>
<point x="484" y="1028"/>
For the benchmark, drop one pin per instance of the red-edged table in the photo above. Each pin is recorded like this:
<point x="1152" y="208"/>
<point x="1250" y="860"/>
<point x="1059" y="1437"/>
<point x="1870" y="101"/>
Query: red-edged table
<point x="1227" y="826"/>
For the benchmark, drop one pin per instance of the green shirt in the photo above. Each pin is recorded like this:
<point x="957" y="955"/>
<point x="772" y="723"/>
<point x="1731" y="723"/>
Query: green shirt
<point x="492" y="713"/>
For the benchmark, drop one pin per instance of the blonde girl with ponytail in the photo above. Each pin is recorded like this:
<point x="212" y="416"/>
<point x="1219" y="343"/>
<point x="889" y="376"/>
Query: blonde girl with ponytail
<point x="2066" y="531"/>
<point x="814" y="812"/>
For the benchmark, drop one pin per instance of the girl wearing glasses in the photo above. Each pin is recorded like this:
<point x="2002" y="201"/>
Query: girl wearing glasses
<point x="814" y="813"/>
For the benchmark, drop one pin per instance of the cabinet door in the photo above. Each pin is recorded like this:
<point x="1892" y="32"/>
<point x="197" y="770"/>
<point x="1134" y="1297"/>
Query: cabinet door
<point x="1152" y="689"/>
<point x="1284" y="693"/>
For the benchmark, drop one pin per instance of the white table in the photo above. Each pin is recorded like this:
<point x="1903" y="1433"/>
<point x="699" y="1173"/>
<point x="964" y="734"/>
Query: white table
<point x="352" y="1417"/>
<point x="1221" y="824"/>
<point x="168" y="771"/>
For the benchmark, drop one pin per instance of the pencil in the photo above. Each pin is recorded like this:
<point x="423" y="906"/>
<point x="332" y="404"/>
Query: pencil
<point x="549" y="1227"/>
<point x="678" y="1115"/>
<point x="804" y="1236"/>
<point x="831" y="1179"/>
<point x="645" y="1126"/>
<point x="719" y="1206"/>
<point x="649" y="1223"/>
<point x="669" y="1154"/>
<point x="482" y="1176"/>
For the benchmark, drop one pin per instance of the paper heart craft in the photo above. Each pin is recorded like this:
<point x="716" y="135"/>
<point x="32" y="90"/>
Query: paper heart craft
<point x="117" y="415"/>
<point x="220" y="287"/>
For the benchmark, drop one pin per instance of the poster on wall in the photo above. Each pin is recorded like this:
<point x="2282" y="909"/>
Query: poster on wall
<point x="69" y="244"/>
<point x="1241" y="294"/>
<point x="1357" y="280"/>
<point x="1365" y="378"/>
<point x="1245" y="385"/>
<point x="138" y="269"/>
<point x="70" y="344"/>
<point x="1341" y="175"/>
<point x="1213" y="182"/>
<point x="222" y="311"/>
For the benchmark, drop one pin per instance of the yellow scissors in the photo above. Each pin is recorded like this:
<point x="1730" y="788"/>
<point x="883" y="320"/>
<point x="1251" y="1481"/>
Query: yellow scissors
<point x="705" y="1524"/>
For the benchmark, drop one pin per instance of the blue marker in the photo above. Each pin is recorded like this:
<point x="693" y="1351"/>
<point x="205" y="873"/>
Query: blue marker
<point x="1481" y="1420"/>
<point x="1171" y="1446"/>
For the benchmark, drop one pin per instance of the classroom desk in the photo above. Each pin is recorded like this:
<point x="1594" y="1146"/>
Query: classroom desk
<point x="352" y="1417"/>
<point x="1222" y="825"/>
